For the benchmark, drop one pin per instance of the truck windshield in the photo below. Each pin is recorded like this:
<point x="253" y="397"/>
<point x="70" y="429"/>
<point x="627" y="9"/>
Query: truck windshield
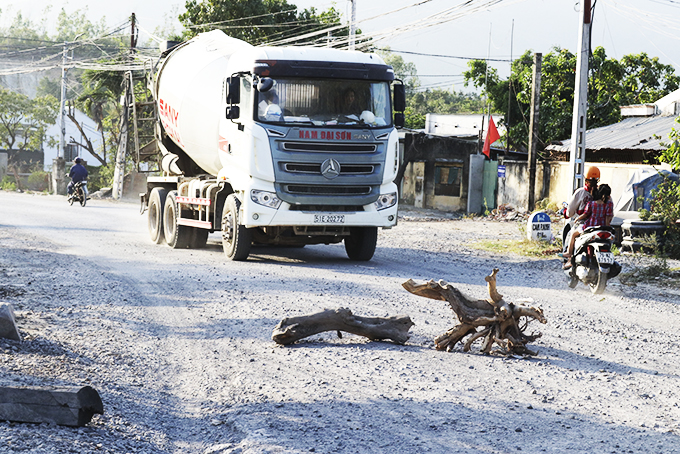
<point x="326" y="102"/>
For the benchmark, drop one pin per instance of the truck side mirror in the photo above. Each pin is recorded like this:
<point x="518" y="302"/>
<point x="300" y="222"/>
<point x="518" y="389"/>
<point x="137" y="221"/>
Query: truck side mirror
<point x="233" y="90"/>
<point x="399" y="98"/>
<point x="233" y="112"/>
<point x="399" y="120"/>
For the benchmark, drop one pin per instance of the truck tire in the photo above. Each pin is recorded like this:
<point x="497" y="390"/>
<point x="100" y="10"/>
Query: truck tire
<point x="177" y="236"/>
<point x="361" y="242"/>
<point x="155" y="216"/>
<point x="236" y="239"/>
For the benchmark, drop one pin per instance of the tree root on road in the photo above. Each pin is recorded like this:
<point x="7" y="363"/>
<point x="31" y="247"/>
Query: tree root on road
<point x="499" y="322"/>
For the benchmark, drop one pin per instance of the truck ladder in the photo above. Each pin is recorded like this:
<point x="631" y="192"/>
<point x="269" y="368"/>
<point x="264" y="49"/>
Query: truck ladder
<point x="144" y="115"/>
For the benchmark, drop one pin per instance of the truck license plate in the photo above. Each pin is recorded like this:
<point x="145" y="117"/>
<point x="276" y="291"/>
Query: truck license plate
<point x="605" y="257"/>
<point x="329" y="219"/>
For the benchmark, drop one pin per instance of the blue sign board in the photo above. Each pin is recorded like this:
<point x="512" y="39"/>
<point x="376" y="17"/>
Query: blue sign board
<point x="501" y="171"/>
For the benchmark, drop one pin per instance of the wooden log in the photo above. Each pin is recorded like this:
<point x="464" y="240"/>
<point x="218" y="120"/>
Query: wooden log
<point x="63" y="406"/>
<point x="293" y="329"/>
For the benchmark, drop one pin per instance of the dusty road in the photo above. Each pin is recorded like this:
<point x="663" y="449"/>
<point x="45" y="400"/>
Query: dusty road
<point x="178" y="344"/>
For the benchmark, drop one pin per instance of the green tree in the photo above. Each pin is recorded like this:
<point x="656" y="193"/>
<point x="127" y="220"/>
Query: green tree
<point x="255" y="21"/>
<point x="635" y="79"/>
<point x="23" y="121"/>
<point x="671" y="154"/>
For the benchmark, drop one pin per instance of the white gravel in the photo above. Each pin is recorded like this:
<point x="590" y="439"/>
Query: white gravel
<point x="178" y="344"/>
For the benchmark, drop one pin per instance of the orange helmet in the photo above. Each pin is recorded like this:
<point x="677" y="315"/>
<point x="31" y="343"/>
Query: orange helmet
<point x="593" y="173"/>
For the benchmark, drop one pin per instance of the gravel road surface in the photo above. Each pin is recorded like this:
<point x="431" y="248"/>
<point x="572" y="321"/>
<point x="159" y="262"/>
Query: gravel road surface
<point x="178" y="344"/>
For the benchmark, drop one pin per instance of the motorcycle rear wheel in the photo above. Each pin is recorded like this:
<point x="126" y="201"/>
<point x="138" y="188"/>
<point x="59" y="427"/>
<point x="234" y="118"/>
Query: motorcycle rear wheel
<point x="83" y="199"/>
<point x="598" y="287"/>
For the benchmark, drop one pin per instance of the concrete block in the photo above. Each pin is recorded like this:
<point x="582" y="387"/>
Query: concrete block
<point x="8" y="325"/>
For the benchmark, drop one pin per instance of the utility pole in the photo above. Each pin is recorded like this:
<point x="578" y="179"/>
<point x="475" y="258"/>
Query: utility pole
<point x="507" y="119"/>
<point x="353" y="25"/>
<point x="128" y="99"/>
<point x="62" y="104"/>
<point x="59" y="164"/>
<point x="577" y="153"/>
<point x="533" y="128"/>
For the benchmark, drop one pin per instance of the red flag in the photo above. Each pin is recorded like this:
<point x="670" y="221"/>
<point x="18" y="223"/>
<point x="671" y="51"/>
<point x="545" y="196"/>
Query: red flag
<point x="491" y="136"/>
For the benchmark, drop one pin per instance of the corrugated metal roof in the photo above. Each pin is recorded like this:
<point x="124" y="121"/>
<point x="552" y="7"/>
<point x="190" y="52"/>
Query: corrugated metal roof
<point x="633" y="133"/>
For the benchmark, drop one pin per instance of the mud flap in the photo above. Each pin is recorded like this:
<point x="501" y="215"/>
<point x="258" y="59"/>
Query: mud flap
<point x="144" y="202"/>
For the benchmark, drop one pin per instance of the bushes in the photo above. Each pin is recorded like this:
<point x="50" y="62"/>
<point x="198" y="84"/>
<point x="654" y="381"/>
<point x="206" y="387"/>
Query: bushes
<point x="665" y="206"/>
<point x="8" y="184"/>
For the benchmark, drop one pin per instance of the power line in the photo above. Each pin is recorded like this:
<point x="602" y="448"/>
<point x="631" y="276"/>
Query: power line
<point x="446" y="56"/>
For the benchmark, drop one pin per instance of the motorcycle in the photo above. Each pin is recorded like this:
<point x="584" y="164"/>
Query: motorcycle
<point x="593" y="262"/>
<point x="79" y="193"/>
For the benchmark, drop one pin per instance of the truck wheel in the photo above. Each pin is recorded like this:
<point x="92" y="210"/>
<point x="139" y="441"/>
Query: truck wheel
<point x="155" y="216"/>
<point x="360" y="244"/>
<point x="236" y="239"/>
<point x="177" y="236"/>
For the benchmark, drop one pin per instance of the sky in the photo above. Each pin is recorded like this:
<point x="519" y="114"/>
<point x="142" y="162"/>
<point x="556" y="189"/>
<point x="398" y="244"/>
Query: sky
<point x="503" y="30"/>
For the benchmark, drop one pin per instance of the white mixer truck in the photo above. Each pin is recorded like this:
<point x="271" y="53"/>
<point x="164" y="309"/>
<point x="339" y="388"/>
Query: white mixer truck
<point x="273" y="145"/>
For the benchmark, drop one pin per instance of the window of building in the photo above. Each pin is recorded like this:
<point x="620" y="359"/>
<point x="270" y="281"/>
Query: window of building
<point x="447" y="179"/>
<point x="71" y="152"/>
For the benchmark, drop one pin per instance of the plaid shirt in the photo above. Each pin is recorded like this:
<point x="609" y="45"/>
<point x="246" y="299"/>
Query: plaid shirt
<point x="598" y="213"/>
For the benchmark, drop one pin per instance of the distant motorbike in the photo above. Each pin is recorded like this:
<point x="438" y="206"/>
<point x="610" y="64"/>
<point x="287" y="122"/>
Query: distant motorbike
<point x="593" y="262"/>
<point x="79" y="193"/>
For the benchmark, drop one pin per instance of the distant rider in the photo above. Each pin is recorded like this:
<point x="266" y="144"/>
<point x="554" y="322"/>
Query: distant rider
<point x="77" y="174"/>
<point x="598" y="212"/>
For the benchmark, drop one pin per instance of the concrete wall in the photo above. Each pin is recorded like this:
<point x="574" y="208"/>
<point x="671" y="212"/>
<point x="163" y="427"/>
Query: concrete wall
<point x="615" y="175"/>
<point x="514" y="188"/>
<point x="553" y="181"/>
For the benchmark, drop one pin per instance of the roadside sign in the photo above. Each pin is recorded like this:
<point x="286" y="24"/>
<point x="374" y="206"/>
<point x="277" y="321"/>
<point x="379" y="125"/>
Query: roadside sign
<point x="501" y="171"/>
<point x="538" y="226"/>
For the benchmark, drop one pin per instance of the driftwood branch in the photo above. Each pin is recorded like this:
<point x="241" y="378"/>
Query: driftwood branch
<point x="293" y="329"/>
<point x="499" y="322"/>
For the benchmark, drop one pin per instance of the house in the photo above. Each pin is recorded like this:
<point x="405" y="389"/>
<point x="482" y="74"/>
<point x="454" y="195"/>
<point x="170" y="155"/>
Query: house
<point x="636" y="139"/>
<point x="437" y="163"/>
<point x="618" y="150"/>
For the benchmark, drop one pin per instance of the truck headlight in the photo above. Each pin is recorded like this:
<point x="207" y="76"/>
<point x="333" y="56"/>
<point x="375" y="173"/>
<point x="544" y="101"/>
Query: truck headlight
<point x="386" y="201"/>
<point x="265" y="198"/>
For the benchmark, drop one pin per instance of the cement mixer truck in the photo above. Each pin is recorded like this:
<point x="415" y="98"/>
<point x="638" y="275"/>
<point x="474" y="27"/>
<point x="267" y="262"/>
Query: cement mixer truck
<point x="274" y="146"/>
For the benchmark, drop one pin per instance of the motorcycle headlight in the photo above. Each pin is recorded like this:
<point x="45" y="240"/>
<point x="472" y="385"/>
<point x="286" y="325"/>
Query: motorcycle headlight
<point x="386" y="201"/>
<point x="265" y="198"/>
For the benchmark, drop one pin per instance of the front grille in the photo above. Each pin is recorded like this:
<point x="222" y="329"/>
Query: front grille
<point x="328" y="208"/>
<point x="323" y="147"/>
<point x="327" y="190"/>
<point x="315" y="230"/>
<point x="345" y="169"/>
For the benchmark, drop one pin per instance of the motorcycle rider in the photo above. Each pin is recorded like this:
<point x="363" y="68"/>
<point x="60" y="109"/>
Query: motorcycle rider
<point x="580" y="199"/>
<point x="582" y="196"/>
<point x="598" y="212"/>
<point x="77" y="174"/>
